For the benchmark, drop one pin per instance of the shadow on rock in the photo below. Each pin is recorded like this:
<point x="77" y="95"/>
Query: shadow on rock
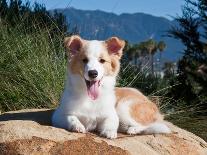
<point x="42" y="117"/>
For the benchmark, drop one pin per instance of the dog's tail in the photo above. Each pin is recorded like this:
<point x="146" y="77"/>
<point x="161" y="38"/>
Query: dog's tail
<point x="157" y="128"/>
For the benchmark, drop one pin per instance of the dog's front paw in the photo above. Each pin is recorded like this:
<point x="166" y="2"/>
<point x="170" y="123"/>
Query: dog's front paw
<point x="78" y="128"/>
<point x="75" y="125"/>
<point x="111" y="134"/>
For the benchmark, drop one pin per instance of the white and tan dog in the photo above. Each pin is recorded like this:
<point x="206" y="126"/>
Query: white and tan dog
<point x="90" y="101"/>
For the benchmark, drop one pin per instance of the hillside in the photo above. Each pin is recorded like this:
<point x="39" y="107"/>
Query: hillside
<point x="132" y="27"/>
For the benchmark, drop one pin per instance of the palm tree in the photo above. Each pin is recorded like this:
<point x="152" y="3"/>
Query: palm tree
<point x="128" y="51"/>
<point x="169" y="69"/>
<point x="132" y="52"/>
<point x="151" y="47"/>
<point x="161" y="46"/>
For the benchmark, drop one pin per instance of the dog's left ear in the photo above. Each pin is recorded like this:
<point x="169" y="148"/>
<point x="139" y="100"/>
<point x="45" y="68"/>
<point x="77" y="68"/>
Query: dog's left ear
<point x="115" y="46"/>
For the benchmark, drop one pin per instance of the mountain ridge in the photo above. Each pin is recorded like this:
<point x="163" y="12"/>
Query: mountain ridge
<point x="133" y="27"/>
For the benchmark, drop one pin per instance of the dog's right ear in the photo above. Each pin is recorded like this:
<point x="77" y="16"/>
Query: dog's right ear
<point x="73" y="44"/>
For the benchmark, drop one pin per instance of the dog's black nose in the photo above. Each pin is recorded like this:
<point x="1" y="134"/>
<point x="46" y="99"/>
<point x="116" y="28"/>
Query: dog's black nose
<point x="92" y="74"/>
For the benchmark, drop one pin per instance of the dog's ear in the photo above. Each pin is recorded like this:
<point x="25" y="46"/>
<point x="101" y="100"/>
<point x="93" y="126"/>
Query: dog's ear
<point x="115" y="46"/>
<point x="73" y="44"/>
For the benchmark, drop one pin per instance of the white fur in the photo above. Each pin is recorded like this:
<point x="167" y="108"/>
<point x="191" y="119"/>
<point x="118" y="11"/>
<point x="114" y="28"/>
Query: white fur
<point x="157" y="128"/>
<point x="78" y="112"/>
<point x="93" y="50"/>
<point x="127" y="123"/>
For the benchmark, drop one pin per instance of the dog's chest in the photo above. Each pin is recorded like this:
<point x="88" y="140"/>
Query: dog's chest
<point x="90" y="122"/>
<point x="90" y="114"/>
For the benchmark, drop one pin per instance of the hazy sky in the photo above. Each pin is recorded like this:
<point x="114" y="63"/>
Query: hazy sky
<point x="164" y="8"/>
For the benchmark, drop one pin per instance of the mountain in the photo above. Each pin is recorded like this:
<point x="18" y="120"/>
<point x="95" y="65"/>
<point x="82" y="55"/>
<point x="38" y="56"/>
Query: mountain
<point x="132" y="27"/>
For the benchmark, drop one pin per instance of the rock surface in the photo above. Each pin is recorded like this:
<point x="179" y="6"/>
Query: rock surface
<point x="29" y="132"/>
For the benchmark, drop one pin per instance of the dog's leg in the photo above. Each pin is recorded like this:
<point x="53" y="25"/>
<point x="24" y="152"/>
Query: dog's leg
<point x="108" y="128"/>
<point x="130" y="126"/>
<point x="133" y="130"/>
<point x="157" y="127"/>
<point x="73" y="124"/>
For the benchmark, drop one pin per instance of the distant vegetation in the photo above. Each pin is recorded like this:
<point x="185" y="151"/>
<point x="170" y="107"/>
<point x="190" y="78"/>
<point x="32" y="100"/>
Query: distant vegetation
<point x="192" y="68"/>
<point x="142" y="54"/>
<point x="190" y="83"/>
<point x="32" y="63"/>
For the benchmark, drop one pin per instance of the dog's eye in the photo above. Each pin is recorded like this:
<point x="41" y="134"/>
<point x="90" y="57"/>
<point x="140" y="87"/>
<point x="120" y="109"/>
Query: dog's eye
<point x="102" y="61"/>
<point x="85" y="60"/>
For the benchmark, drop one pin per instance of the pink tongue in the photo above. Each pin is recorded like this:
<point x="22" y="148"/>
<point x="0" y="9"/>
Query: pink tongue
<point x="93" y="90"/>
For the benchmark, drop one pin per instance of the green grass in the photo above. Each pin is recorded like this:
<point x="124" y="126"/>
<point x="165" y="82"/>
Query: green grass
<point x="190" y="117"/>
<point x="32" y="74"/>
<point x="32" y="69"/>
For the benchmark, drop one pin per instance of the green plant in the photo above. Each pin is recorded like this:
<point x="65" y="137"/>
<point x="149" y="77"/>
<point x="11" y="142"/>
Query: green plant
<point x="32" y="68"/>
<point x="189" y="117"/>
<point x="132" y="76"/>
<point x="192" y="68"/>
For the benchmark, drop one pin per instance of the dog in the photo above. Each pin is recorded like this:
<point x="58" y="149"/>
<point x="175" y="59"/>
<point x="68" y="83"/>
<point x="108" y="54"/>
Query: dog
<point x="91" y="102"/>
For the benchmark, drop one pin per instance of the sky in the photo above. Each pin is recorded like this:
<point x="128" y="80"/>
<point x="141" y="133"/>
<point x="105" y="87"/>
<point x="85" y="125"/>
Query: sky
<point x="163" y="8"/>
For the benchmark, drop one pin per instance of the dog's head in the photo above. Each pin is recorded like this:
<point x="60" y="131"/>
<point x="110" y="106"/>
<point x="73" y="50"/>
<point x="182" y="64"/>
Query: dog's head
<point x="93" y="60"/>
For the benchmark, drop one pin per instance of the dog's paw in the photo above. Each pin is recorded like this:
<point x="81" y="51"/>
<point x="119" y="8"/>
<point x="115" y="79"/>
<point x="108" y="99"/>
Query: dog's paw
<point x="79" y="128"/>
<point x="111" y="134"/>
<point x="135" y="130"/>
<point x="75" y="125"/>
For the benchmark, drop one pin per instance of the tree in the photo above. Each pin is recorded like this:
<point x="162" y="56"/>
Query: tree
<point x="3" y="8"/>
<point x="192" y="31"/>
<point x="21" y="15"/>
<point x="161" y="46"/>
<point x="142" y="54"/>
<point x="151" y="48"/>
<point x="169" y="69"/>
<point x="14" y="11"/>
<point x="132" y="52"/>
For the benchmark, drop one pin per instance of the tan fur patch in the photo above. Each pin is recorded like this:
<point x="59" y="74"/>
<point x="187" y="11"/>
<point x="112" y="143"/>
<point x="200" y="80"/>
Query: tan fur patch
<point x="142" y="110"/>
<point x="112" y="64"/>
<point x="76" y="64"/>
<point x="127" y="93"/>
<point x="115" y="64"/>
<point x="115" y="46"/>
<point x="72" y="44"/>
<point x="144" y="113"/>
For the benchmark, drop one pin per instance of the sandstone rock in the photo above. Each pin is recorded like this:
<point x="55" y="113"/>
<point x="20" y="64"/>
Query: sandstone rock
<point x="29" y="132"/>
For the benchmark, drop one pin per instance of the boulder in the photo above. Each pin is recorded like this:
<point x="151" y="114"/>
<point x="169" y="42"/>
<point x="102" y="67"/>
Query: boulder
<point x="30" y="132"/>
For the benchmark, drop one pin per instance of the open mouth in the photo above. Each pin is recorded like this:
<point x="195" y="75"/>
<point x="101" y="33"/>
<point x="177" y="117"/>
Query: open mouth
<point x="93" y="89"/>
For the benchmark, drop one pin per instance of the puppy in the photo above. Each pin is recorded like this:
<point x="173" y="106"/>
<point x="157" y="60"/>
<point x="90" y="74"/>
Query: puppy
<point x="91" y="102"/>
